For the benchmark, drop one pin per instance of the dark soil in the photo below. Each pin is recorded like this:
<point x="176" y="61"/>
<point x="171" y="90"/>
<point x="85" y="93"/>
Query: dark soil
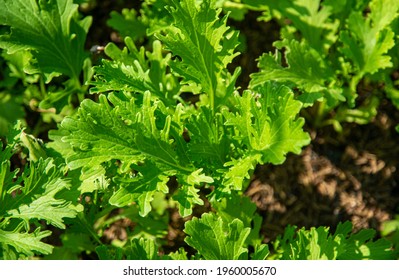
<point x="354" y="178"/>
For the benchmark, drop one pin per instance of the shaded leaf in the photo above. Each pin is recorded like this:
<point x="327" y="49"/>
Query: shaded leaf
<point x="215" y="239"/>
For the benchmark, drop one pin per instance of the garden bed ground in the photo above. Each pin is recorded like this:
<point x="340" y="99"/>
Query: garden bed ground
<point x="354" y="178"/>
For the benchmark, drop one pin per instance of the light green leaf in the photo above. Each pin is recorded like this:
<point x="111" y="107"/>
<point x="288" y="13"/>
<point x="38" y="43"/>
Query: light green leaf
<point x="269" y="126"/>
<point x="124" y="132"/>
<point x="141" y="188"/>
<point x="46" y="207"/>
<point x="50" y="29"/>
<point x="92" y="179"/>
<point x="368" y="40"/>
<point x="42" y="181"/>
<point x="319" y="243"/>
<point x="143" y="249"/>
<point x="261" y="252"/>
<point x="7" y="177"/>
<point x="240" y="207"/>
<point x="266" y="128"/>
<point x="238" y="172"/>
<point x="203" y="45"/>
<point x="215" y="239"/>
<point x="137" y="71"/>
<point x="362" y="246"/>
<point x="138" y="135"/>
<point x="28" y="244"/>
<point x="21" y="67"/>
<point x="313" y="244"/>
<point x="30" y="198"/>
<point x="179" y="255"/>
<point x="34" y="145"/>
<point x="383" y="12"/>
<point x="208" y="144"/>
<point x="196" y="178"/>
<point x="187" y="196"/>
<point x="138" y="249"/>
<point x="388" y="227"/>
<point x="307" y="69"/>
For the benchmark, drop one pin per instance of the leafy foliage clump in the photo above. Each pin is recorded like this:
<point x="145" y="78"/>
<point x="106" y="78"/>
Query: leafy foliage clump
<point x="329" y="51"/>
<point x="28" y="198"/>
<point x="163" y="125"/>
